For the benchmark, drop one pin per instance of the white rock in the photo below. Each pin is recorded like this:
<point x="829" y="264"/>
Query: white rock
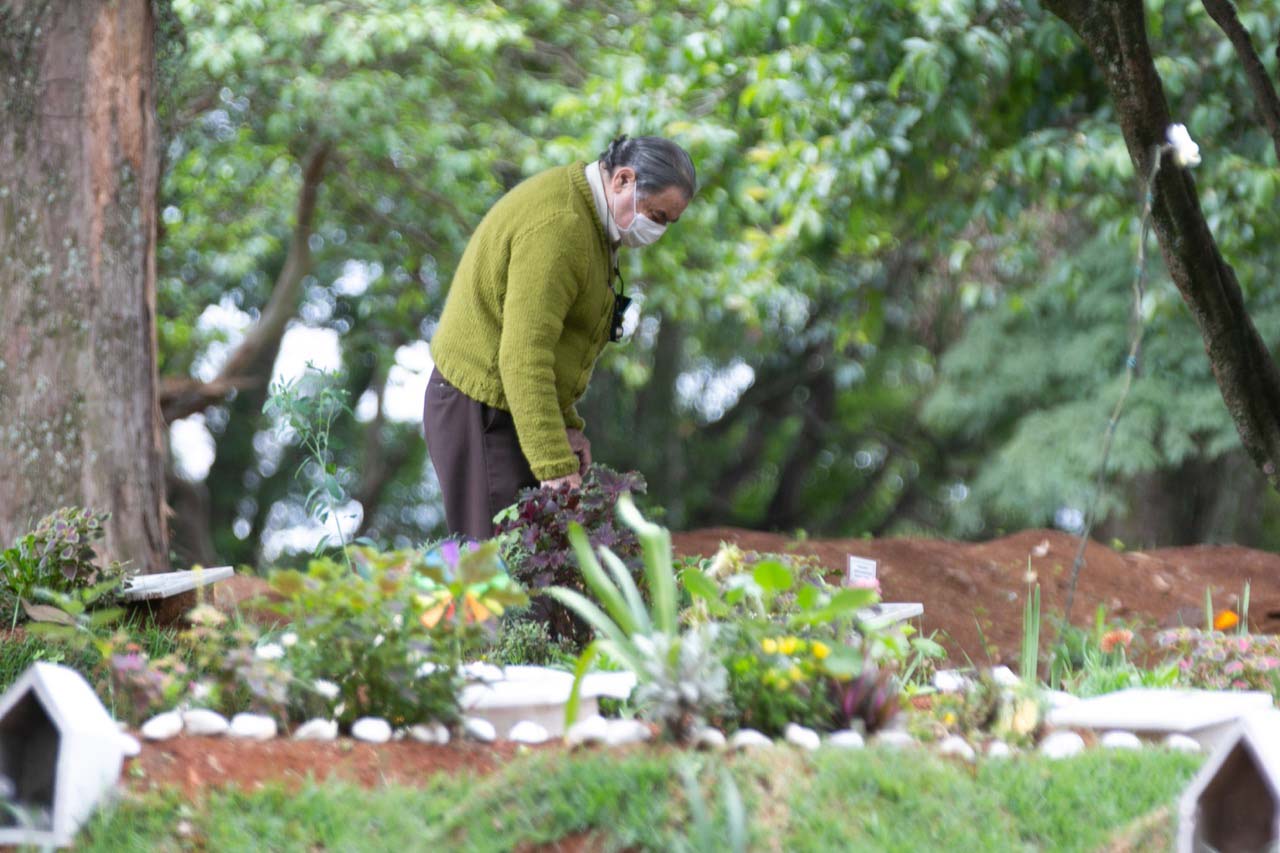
<point x="371" y="730"/>
<point x="202" y="721"/>
<point x="1181" y="743"/>
<point x="1058" y="699"/>
<point x="846" y="739"/>
<point x="478" y="729"/>
<point x="800" y="736"/>
<point x="957" y="746"/>
<point x="893" y="738"/>
<point x="623" y="732"/>
<point x="999" y="749"/>
<point x="130" y="746"/>
<point x="594" y="729"/>
<point x="1120" y="740"/>
<point x="709" y="738"/>
<point x="435" y="733"/>
<point x="253" y="726"/>
<point x="1062" y="745"/>
<point x="748" y="739"/>
<point x="481" y="671"/>
<point x="527" y="731"/>
<point x="1004" y="676"/>
<point x="162" y="726"/>
<point x="949" y="681"/>
<point x="317" y="729"/>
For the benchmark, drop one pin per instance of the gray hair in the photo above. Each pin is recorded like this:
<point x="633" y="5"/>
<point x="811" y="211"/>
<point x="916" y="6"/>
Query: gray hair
<point x="659" y="163"/>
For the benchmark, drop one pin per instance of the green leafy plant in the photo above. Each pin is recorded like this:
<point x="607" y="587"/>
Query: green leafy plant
<point x="59" y="555"/>
<point x="306" y="409"/>
<point x="800" y="652"/>
<point x="680" y="678"/>
<point x="389" y="638"/>
<point x="536" y="546"/>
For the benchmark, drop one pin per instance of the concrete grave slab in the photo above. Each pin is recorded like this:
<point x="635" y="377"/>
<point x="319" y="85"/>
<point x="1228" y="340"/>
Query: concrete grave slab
<point x="60" y="754"/>
<point x="1206" y="715"/>
<point x="539" y="694"/>
<point x="888" y="613"/>
<point x="168" y="584"/>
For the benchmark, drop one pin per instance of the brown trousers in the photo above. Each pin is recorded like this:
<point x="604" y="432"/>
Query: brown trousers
<point x="477" y="458"/>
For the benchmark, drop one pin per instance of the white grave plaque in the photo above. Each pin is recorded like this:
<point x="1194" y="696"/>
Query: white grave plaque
<point x="861" y="569"/>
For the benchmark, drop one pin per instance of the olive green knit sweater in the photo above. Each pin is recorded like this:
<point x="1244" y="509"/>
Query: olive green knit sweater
<point x="528" y="312"/>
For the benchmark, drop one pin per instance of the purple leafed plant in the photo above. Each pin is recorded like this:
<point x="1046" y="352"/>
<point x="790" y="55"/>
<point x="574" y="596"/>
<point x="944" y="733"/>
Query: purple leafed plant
<point x="535" y="540"/>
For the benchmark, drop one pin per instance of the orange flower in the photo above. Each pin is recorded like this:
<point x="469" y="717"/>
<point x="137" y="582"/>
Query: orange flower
<point x="1225" y="620"/>
<point x="1121" y="637"/>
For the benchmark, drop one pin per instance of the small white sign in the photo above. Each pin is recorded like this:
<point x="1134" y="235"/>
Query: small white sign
<point x="861" y="569"/>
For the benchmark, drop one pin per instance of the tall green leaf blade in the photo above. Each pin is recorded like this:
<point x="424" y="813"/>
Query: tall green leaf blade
<point x="599" y="582"/>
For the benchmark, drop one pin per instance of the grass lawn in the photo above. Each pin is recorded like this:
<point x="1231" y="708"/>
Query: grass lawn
<point x="831" y="800"/>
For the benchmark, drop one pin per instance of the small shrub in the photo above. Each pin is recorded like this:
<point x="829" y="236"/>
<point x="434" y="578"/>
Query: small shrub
<point x="1218" y="661"/>
<point x="534" y="537"/>
<point x="389" y="639"/>
<point x="60" y="556"/>
<point x="523" y="639"/>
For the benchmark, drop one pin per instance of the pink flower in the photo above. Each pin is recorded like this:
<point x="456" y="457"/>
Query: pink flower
<point x="1268" y="663"/>
<point x="1238" y="684"/>
<point x="1184" y="664"/>
<point x="1243" y="643"/>
<point x="865" y="583"/>
<point x="1233" y="667"/>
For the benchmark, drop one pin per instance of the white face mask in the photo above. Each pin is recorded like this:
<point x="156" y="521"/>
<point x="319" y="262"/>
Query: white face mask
<point x="642" y="231"/>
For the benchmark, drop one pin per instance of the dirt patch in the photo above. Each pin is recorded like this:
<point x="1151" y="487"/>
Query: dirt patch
<point x="973" y="591"/>
<point x="195" y="763"/>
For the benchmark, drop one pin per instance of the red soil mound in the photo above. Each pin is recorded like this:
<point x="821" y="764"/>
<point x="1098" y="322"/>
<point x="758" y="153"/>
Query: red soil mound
<point x="974" y="591"/>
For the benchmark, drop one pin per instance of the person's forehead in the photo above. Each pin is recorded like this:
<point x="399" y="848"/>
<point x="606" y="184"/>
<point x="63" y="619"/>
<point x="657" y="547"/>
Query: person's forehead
<point x="670" y="201"/>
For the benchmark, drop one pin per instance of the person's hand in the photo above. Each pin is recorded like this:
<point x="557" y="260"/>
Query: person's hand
<point x="581" y="446"/>
<point x="573" y="480"/>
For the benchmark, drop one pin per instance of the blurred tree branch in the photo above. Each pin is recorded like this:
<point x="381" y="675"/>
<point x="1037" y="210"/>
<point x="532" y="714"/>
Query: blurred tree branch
<point x="250" y="364"/>
<point x="1223" y="13"/>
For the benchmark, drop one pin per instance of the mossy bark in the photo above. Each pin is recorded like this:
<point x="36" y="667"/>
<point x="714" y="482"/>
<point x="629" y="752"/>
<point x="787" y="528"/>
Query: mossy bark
<point x="79" y="415"/>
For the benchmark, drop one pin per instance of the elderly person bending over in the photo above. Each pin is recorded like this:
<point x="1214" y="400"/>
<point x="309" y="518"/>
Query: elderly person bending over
<point x="531" y="306"/>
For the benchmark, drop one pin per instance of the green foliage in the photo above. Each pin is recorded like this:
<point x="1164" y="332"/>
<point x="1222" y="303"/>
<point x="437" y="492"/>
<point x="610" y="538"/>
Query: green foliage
<point x="861" y="800"/>
<point x="306" y="410"/>
<point x="524" y="639"/>
<point x="1097" y="661"/>
<point x="59" y="556"/>
<point x="984" y="710"/>
<point x="679" y="677"/>
<point x="392" y="636"/>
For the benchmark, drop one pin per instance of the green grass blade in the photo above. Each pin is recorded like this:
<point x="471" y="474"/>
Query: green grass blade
<point x="622" y="575"/>
<point x="588" y="657"/>
<point x="599" y="582"/>
<point x="656" y="542"/>
<point x="597" y="619"/>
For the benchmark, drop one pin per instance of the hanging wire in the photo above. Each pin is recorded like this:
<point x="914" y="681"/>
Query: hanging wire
<point x="1136" y="329"/>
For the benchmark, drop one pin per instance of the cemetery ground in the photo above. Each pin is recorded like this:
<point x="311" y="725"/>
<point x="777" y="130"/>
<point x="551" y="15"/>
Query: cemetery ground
<point x="219" y="793"/>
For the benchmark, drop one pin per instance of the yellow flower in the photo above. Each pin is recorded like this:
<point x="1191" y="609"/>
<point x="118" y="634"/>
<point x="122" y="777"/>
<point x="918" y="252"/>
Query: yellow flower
<point x="948" y="719"/>
<point x="795" y="674"/>
<point x="769" y="645"/>
<point x="787" y="646"/>
<point x="821" y="650"/>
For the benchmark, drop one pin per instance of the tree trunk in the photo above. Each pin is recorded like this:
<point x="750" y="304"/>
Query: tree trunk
<point x="1115" y="33"/>
<point x="79" y="418"/>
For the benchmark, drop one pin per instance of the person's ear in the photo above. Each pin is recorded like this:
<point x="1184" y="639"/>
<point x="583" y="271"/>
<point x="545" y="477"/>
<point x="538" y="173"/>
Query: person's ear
<point x="622" y="178"/>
